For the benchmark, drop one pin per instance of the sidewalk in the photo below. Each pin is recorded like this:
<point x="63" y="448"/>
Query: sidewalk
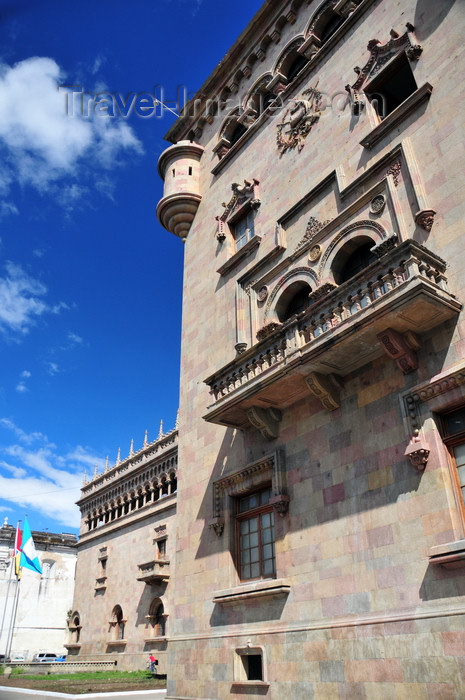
<point x="25" y="694"/>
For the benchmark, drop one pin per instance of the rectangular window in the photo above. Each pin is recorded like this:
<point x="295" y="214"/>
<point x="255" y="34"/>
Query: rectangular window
<point x="161" y="549"/>
<point x="253" y="667"/>
<point x="391" y="87"/>
<point x="255" y="536"/>
<point x="243" y="230"/>
<point x="453" y="431"/>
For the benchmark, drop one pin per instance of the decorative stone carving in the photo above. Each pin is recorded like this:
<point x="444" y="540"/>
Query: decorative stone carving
<point x="321" y="292"/>
<point x="266" y="420"/>
<point x="314" y="253"/>
<point x="313" y="228"/>
<point x="269" y="468"/>
<point x="425" y="219"/>
<point x="380" y="54"/>
<point x="240" y="348"/>
<point x="297" y="121"/>
<point x="262" y="293"/>
<point x="280" y="503"/>
<point x="397" y="347"/>
<point x="418" y="451"/>
<point x="377" y="204"/>
<point x="217" y="524"/>
<point x="267" y="330"/>
<point x="244" y="198"/>
<point x="414" y="52"/>
<point x="385" y="246"/>
<point x="395" y="171"/>
<point x="326" y="387"/>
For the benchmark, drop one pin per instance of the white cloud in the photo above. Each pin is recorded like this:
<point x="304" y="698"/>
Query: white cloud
<point x="42" y="144"/>
<point x="21" y="302"/>
<point x="53" y="368"/>
<point x="21" y="388"/>
<point x="74" y="338"/>
<point x="26" y="438"/>
<point x="43" y="479"/>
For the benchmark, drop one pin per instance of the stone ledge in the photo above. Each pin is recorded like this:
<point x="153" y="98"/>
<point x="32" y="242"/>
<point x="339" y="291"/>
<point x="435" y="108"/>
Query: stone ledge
<point x="249" y="591"/>
<point x="450" y="555"/>
<point x="397" y="115"/>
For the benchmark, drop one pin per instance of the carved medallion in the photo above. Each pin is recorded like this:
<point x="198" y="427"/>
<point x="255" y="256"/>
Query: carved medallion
<point x="262" y="293"/>
<point x="298" y="120"/>
<point x="315" y="253"/>
<point x="377" y="204"/>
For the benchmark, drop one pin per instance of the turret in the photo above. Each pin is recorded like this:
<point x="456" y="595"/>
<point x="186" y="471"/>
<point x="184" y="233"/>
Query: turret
<point x="179" y="167"/>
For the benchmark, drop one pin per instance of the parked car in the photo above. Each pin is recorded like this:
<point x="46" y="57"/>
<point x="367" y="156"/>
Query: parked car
<point x="45" y="656"/>
<point x="17" y="658"/>
<point x="61" y="658"/>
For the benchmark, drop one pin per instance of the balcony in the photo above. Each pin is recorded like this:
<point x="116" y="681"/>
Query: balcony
<point x="154" y="571"/>
<point x="382" y="309"/>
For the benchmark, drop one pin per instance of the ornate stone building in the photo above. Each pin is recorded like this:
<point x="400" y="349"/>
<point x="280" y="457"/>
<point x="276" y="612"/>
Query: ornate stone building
<point x="122" y="600"/>
<point x="317" y="181"/>
<point x="43" y="601"/>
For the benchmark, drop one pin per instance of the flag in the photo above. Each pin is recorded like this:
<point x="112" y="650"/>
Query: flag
<point x="29" y="558"/>
<point x="17" y="551"/>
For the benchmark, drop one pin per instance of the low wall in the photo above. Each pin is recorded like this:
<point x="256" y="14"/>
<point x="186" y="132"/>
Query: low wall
<point x="47" y="668"/>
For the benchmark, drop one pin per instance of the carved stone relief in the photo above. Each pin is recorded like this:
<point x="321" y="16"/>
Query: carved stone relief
<point x="298" y="120"/>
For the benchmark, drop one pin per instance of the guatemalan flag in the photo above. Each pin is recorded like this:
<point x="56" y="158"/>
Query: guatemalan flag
<point x="29" y="558"/>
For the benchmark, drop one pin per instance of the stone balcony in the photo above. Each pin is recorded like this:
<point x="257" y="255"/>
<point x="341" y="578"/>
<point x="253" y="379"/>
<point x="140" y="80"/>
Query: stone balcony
<point x="154" y="571"/>
<point x="383" y="309"/>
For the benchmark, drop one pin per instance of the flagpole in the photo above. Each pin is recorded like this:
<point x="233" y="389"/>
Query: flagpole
<point x="12" y="621"/>
<point x="12" y="565"/>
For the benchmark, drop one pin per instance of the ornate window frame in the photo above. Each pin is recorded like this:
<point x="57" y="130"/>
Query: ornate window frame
<point x="245" y="200"/>
<point x="271" y="468"/>
<point x="439" y="395"/>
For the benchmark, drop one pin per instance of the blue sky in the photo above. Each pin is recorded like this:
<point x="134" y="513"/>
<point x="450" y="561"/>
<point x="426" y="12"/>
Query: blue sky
<point x="90" y="284"/>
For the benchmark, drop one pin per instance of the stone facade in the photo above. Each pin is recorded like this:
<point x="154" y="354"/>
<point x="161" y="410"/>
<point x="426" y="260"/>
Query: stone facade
<point x="43" y="600"/>
<point x="321" y="520"/>
<point x="122" y="599"/>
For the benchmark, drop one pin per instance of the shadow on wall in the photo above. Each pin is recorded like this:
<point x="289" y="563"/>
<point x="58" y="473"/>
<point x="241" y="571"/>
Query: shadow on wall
<point x="429" y="14"/>
<point x="247" y="612"/>
<point x="440" y="582"/>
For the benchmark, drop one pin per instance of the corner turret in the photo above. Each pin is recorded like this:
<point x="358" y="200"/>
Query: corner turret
<point x="179" y="169"/>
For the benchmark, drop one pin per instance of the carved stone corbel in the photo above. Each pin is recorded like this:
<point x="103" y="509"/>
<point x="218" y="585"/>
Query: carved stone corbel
<point x="280" y="503"/>
<point x="401" y="348"/>
<point x="217" y="524"/>
<point x="425" y="219"/>
<point x="266" y="420"/>
<point x="417" y="451"/>
<point x="326" y="387"/>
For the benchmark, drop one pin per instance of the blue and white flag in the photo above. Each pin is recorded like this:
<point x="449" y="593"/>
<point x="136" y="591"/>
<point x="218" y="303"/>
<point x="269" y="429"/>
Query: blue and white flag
<point x="29" y="557"/>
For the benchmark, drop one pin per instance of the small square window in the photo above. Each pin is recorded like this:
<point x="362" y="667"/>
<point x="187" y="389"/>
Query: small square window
<point x="253" y="667"/>
<point x="255" y="536"/>
<point x="249" y="665"/>
<point x="243" y="229"/>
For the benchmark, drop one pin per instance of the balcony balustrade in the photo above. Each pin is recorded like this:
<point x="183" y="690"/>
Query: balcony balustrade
<point x="403" y="293"/>
<point x="154" y="571"/>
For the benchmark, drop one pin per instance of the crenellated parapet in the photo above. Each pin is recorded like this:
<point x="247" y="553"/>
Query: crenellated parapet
<point x="178" y="167"/>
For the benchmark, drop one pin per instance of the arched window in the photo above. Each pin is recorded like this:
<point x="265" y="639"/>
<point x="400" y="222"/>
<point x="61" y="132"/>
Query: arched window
<point x="327" y="21"/>
<point x="354" y="257"/>
<point x="157" y="618"/>
<point x="293" y="300"/>
<point x="74" y="626"/>
<point x="118" y="622"/>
